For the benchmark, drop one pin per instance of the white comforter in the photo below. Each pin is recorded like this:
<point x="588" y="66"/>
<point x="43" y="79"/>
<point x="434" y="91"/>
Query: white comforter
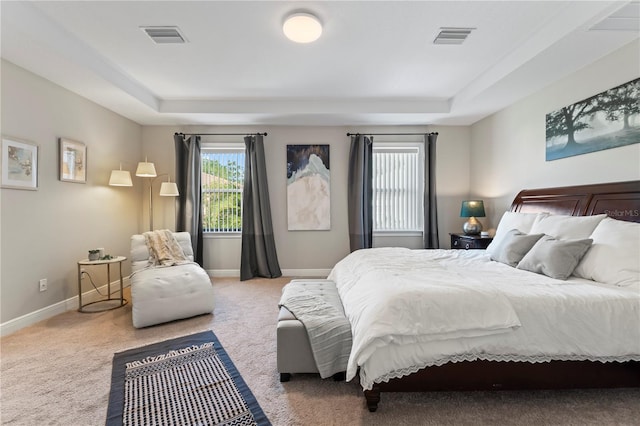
<point x="414" y="308"/>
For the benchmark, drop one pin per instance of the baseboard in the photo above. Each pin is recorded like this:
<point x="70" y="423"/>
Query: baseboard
<point x="223" y="272"/>
<point x="311" y="273"/>
<point x="70" y="304"/>
<point x="285" y="272"/>
<point x="19" y="323"/>
<point x="47" y="312"/>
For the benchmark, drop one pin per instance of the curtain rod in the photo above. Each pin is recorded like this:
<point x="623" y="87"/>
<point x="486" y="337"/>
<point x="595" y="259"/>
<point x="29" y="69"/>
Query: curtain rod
<point x="222" y="134"/>
<point x="391" y="134"/>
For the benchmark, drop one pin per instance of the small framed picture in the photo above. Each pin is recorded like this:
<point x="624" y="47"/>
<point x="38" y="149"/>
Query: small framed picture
<point x="19" y="164"/>
<point x="73" y="161"/>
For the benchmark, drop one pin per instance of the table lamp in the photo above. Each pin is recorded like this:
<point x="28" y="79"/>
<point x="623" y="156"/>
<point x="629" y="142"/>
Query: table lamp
<point x="472" y="209"/>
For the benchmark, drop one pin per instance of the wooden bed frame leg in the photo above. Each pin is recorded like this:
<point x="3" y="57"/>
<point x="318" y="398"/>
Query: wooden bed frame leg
<point x="285" y="377"/>
<point x="373" y="398"/>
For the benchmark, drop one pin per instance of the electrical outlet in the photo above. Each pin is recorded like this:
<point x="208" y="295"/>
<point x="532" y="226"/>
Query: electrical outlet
<point x="43" y="284"/>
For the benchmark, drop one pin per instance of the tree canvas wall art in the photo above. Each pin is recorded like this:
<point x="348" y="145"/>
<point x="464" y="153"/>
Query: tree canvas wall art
<point x="308" y="188"/>
<point x="607" y="120"/>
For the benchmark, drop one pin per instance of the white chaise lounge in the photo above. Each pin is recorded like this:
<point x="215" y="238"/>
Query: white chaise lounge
<point x="166" y="293"/>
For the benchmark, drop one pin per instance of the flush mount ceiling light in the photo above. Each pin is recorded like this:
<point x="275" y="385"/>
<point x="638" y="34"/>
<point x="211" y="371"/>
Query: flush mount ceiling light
<point x="302" y="27"/>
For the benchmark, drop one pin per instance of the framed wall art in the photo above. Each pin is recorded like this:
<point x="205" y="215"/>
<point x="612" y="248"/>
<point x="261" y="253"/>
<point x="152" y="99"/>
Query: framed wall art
<point x="73" y="161"/>
<point x="19" y="164"/>
<point x="308" y="188"/>
<point x="607" y="120"/>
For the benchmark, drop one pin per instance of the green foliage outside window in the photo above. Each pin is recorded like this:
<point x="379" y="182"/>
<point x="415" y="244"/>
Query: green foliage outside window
<point x="222" y="182"/>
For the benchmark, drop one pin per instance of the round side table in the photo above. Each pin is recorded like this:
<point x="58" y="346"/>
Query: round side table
<point x="105" y="301"/>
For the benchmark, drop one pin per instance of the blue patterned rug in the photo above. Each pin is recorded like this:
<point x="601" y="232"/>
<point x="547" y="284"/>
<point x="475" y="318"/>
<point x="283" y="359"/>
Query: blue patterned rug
<point x="185" y="381"/>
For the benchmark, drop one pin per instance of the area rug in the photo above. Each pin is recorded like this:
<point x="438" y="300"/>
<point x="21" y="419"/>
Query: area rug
<point x="185" y="381"/>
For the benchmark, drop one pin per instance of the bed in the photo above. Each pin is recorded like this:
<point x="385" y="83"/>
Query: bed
<point x="490" y="324"/>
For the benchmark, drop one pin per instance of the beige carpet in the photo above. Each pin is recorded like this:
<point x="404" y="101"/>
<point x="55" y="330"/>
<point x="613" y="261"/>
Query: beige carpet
<point x="58" y="372"/>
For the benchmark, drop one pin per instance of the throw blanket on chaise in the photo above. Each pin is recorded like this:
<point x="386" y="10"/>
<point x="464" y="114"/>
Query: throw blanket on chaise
<point x="328" y="329"/>
<point x="164" y="249"/>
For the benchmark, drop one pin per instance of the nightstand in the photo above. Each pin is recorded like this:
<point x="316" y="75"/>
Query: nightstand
<point x="469" y="242"/>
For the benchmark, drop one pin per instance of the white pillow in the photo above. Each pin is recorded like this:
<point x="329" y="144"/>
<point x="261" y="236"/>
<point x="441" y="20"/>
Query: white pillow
<point x="614" y="257"/>
<point x="513" y="220"/>
<point x="564" y="227"/>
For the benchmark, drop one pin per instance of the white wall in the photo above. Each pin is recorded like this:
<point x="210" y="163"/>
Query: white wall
<point x="45" y="232"/>
<point x="313" y="252"/>
<point x="508" y="148"/>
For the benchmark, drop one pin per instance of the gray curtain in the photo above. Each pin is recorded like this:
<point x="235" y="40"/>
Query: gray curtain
<point x="430" y="233"/>
<point x="360" y="192"/>
<point x="189" y="202"/>
<point x="258" y="258"/>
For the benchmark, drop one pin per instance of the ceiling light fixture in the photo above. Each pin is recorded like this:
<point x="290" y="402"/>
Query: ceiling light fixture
<point x="302" y="27"/>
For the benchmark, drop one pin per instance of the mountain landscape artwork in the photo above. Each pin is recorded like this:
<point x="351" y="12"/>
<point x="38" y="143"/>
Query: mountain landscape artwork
<point x="607" y="120"/>
<point x="308" y="188"/>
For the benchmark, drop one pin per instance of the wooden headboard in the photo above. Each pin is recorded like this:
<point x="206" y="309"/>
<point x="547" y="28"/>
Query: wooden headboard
<point x="619" y="200"/>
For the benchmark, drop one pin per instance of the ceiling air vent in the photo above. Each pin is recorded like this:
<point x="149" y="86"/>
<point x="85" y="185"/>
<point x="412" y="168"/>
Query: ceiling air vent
<point x="164" y="35"/>
<point x="451" y="35"/>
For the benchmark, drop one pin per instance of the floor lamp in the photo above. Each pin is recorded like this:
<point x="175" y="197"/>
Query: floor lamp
<point x="167" y="189"/>
<point x="120" y="177"/>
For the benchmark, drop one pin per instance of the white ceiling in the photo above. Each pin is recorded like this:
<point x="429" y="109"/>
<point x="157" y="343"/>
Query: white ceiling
<point x="375" y="63"/>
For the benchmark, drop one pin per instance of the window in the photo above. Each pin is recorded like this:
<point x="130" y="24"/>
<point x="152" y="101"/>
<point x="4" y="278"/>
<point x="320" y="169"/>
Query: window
<point x="222" y="181"/>
<point x="398" y="187"/>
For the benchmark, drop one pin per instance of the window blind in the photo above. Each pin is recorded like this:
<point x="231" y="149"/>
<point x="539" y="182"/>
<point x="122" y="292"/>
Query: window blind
<point x="222" y="183"/>
<point x="397" y="189"/>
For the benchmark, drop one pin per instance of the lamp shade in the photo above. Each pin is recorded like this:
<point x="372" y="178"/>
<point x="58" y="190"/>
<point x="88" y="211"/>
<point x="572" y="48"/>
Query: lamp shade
<point x="302" y="28"/>
<point x="169" y="189"/>
<point x="472" y="208"/>
<point x="146" y="169"/>
<point x="120" y="178"/>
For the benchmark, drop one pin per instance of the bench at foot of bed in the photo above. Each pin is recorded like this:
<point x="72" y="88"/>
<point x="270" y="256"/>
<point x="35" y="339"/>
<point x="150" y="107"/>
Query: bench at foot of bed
<point x="294" y="353"/>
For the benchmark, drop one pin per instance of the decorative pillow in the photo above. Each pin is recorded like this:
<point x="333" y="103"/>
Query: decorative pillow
<point x="567" y="227"/>
<point x="513" y="220"/>
<point x="554" y="258"/>
<point x="615" y="255"/>
<point x="513" y="246"/>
